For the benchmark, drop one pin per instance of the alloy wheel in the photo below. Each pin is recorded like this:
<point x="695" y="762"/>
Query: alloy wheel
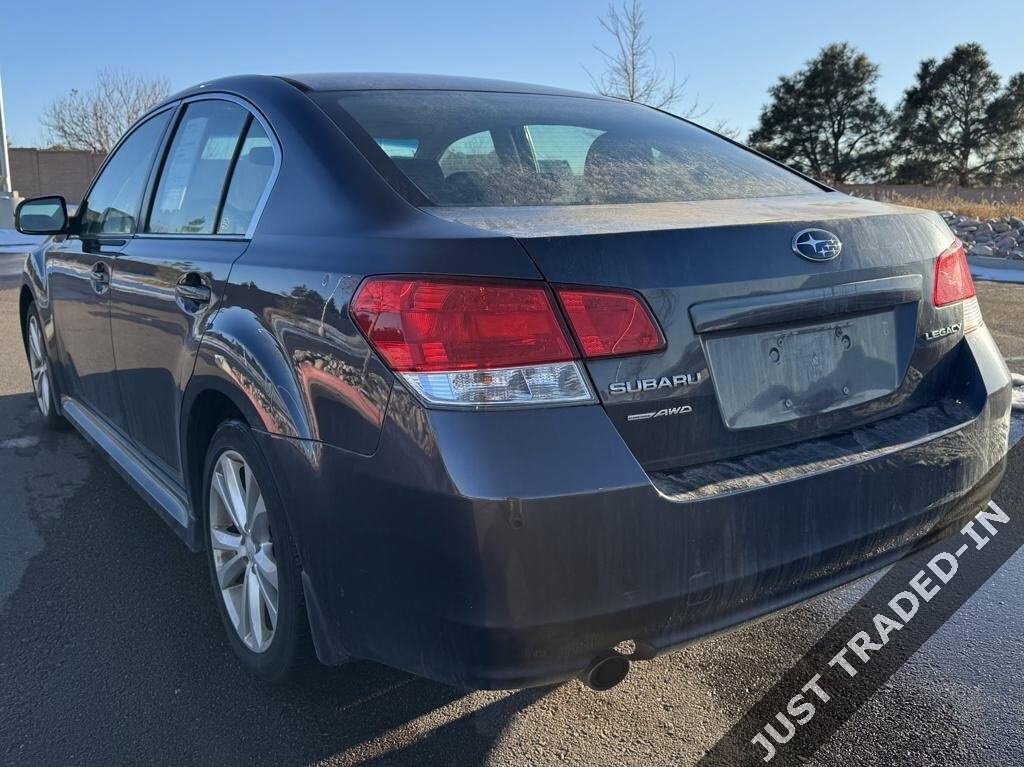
<point x="243" y="552"/>
<point x="39" y="364"/>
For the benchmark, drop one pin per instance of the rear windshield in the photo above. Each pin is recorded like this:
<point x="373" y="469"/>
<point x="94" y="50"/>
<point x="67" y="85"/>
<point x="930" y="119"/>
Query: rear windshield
<point x="497" y="149"/>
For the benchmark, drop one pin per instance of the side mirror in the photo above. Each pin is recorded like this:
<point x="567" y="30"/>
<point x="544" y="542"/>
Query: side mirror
<point x="42" y="215"/>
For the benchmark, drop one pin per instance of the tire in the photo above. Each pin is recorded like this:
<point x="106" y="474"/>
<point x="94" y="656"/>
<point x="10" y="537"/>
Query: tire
<point x="249" y="546"/>
<point x="43" y="385"/>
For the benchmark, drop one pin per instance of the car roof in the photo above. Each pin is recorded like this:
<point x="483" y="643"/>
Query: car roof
<point x="245" y="85"/>
<point x="371" y="81"/>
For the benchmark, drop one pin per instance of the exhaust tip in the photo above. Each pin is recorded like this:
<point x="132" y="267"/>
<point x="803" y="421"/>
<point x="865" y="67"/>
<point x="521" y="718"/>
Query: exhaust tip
<point x="606" y="671"/>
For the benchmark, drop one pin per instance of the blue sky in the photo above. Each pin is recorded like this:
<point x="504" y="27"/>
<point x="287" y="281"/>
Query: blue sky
<point x="732" y="51"/>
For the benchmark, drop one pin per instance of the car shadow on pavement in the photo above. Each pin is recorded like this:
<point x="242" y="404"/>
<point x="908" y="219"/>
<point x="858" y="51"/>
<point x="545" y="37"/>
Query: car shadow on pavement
<point x="112" y="651"/>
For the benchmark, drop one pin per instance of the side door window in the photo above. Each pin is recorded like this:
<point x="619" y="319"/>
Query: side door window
<point x="114" y="200"/>
<point x="190" y="191"/>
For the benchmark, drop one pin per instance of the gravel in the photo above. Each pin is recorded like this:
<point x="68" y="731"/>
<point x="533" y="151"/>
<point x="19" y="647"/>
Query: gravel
<point x="993" y="237"/>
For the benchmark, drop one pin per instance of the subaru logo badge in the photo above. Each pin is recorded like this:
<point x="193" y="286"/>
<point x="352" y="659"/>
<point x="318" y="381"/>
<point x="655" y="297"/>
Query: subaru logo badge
<point x="816" y="245"/>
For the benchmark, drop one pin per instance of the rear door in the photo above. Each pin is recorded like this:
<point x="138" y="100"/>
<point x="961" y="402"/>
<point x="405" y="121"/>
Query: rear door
<point x="167" y="281"/>
<point x="79" y="268"/>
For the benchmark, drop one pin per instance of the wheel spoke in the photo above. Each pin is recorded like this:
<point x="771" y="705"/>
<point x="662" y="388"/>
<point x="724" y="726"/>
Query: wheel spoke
<point x="253" y="497"/>
<point x="266" y="576"/>
<point x="258" y="526"/>
<point x="228" y="500"/>
<point x="242" y="551"/>
<point x="254" y="600"/>
<point x="222" y="540"/>
<point x="267" y="567"/>
<point x="220" y="488"/>
<point x="230" y="571"/>
<point x="244" y="624"/>
<point x="44" y="393"/>
<point x="35" y="340"/>
<point x="230" y="471"/>
<point x="234" y="602"/>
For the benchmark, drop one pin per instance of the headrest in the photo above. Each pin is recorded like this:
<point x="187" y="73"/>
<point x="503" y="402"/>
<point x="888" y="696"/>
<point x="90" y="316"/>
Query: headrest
<point x="612" y="150"/>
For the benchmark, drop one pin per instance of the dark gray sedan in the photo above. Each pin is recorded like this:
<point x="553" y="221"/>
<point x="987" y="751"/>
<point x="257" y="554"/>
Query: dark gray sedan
<point x="501" y="384"/>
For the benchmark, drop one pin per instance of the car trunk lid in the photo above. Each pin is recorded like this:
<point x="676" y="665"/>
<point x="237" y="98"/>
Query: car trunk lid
<point x="764" y="347"/>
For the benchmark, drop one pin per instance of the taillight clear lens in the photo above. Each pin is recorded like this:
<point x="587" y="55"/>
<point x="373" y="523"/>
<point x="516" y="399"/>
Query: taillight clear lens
<point x="610" y="323"/>
<point x="972" y="315"/>
<point x="468" y="342"/>
<point x="953" y="276"/>
<point x="537" y="384"/>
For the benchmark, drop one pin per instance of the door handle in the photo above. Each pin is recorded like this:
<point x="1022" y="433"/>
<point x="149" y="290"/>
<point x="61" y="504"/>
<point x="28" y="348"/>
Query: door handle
<point x="190" y="288"/>
<point x="100" y="276"/>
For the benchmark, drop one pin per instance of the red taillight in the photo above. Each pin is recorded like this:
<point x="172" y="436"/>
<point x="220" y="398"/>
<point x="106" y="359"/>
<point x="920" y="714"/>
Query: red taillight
<point x="425" y="325"/>
<point x="953" y="276"/>
<point x="610" y="323"/>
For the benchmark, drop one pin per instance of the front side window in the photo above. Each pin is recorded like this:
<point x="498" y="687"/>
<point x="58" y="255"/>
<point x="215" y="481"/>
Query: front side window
<point x="193" y="178"/>
<point x="499" y="149"/>
<point x="114" y="199"/>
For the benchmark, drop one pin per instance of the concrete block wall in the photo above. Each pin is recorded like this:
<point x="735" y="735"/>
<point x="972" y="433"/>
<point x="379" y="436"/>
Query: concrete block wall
<point x="37" y="172"/>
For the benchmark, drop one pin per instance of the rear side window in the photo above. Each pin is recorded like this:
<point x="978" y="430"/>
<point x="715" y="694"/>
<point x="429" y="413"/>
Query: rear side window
<point x="252" y="172"/>
<point x="196" y="169"/>
<point x="115" y="198"/>
<point x="501" y="149"/>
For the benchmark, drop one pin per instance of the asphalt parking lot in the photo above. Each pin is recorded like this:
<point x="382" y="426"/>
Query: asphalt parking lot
<point x="111" y="651"/>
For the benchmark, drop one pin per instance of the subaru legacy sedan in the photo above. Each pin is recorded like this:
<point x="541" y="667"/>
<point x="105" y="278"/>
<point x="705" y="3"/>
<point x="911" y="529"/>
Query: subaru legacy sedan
<point x="501" y="384"/>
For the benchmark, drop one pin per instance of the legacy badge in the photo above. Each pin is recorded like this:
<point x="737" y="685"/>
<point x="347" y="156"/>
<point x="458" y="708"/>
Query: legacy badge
<point x="949" y="330"/>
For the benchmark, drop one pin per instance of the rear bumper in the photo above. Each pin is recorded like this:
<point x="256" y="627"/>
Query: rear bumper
<point x="508" y="549"/>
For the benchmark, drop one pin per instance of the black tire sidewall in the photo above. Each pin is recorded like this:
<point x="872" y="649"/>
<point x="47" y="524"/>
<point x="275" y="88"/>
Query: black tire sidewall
<point x="291" y="631"/>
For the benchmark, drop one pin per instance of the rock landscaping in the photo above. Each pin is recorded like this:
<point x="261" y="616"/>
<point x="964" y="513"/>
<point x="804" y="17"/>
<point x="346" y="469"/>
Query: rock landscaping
<point x="993" y="237"/>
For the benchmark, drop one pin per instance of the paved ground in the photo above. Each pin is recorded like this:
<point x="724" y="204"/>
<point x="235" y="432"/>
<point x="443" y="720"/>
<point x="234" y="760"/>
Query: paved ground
<point x="1003" y="309"/>
<point x="111" y="651"/>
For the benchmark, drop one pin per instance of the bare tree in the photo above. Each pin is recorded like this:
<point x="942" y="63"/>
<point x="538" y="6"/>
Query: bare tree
<point x="95" y="119"/>
<point x="631" y="68"/>
<point x="723" y="128"/>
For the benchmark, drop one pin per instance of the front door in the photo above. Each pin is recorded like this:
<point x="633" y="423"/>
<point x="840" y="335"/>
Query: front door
<point x="80" y="266"/>
<point x="168" y="280"/>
